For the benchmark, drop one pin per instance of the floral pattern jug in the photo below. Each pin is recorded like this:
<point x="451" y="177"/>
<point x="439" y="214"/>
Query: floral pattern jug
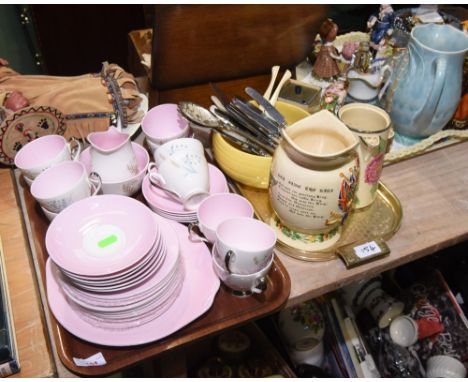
<point x="427" y="80"/>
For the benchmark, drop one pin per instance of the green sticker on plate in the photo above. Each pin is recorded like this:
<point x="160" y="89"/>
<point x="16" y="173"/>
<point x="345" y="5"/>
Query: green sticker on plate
<point x="107" y="241"/>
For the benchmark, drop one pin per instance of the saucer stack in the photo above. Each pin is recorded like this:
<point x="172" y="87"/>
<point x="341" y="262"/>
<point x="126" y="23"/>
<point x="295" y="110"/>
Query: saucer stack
<point x="114" y="263"/>
<point x="120" y="275"/>
<point x="166" y="206"/>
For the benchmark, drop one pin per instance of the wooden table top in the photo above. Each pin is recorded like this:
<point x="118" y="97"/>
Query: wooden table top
<point x="433" y="190"/>
<point x="31" y="334"/>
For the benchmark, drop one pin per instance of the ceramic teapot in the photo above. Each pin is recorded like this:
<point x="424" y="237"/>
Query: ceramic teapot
<point x="112" y="155"/>
<point x="426" y="82"/>
<point x="314" y="174"/>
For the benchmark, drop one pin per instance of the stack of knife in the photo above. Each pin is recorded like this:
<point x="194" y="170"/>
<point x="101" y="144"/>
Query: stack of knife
<point x="261" y="127"/>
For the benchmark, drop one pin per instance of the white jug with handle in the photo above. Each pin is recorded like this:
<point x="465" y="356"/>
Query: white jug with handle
<point x="112" y="155"/>
<point x="366" y="87"/>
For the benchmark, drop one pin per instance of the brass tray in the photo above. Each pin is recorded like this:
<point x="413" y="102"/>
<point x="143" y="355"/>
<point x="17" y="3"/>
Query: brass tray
<point x="381" y="220"/>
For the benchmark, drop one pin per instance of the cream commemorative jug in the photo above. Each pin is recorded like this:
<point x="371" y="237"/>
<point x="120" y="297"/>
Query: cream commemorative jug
<point x="314" y="174"/>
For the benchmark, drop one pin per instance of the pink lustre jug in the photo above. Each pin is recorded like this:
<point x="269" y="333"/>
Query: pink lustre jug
<point x="112" y="155"/>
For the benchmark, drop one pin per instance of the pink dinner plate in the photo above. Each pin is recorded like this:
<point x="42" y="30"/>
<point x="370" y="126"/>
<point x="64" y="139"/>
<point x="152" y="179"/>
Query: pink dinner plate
<point x="101" y="235"/>
<point x="160" y="200"/>
<point x="199" y="288"/>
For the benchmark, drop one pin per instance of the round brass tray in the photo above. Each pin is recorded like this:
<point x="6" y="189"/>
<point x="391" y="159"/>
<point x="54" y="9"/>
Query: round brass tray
<point x="381" y="220"/>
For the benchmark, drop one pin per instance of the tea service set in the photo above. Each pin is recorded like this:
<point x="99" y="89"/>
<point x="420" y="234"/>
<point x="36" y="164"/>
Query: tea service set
<point x="180" y="185"/>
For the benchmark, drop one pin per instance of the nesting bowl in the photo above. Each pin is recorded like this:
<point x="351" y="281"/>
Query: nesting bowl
<point x="251" y="170"/>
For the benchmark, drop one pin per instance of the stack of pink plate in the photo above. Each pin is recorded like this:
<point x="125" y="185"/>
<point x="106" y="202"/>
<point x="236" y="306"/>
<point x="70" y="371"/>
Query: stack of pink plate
<point x="165" y="205"/>
<point x="116" y="266"/>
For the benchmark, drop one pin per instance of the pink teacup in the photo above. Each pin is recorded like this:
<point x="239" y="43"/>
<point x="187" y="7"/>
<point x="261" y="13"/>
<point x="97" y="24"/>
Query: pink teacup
<point x="214" y="210"/>
<point x="62" y="185"/>
<point x="244" y="245"/>
<point x="45" y="152"/>
<point x="164" y="123"/>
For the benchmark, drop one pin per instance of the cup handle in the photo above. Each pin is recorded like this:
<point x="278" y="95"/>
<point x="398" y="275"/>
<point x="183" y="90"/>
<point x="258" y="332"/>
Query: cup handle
<point x="261" y="286"/>
<point x="195" y="236"/>
<point x="74" y="146"/>
<point x="227" y="259"/>
<point x="370" y="144"/>
<point x="94" y="180"/>
<point x="386" y="68"/>
<point x="157" y="180"/>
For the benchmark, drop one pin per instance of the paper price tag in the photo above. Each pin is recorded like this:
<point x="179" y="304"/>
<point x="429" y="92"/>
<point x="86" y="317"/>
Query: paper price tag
<point x="95" y="360"/>
<point x="367" y="249"/>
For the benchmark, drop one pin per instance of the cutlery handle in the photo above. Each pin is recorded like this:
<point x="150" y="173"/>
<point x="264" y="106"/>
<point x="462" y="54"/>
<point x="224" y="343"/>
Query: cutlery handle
<point x="274" y="73"/>
<point x="286" y="77"/>
<point x="244" y="145"/>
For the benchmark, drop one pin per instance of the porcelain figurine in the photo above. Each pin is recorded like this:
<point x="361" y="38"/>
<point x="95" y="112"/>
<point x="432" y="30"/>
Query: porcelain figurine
<point x="326" y="63"/>
<point x="333" y="96"/>
<point x="381" y="25"/>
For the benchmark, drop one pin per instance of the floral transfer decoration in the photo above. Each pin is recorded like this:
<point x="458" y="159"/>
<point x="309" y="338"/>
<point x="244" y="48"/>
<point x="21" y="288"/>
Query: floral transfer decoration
<point x="304" y="237"/>
<point x="374" y="169"/>
<point x="308" y="315"/>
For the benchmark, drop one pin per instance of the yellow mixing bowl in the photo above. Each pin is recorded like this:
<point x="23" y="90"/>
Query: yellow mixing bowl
<point x="248" y="169"/>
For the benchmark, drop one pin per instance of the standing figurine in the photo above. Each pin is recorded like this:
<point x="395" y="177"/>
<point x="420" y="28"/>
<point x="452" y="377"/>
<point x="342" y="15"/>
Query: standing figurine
<point x="362" y="60"/>
<point x="381" y="25"/>
<point x="326" y="65"/>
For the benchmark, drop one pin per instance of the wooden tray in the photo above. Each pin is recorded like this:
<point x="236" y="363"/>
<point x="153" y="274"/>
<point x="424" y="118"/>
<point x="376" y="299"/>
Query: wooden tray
<point x="226" y="311"/>
<point x="380" y="220"/>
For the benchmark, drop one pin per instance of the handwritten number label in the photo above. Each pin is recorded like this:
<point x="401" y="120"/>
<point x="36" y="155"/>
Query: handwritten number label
<point x="367" y="249"/>
<point x="95" y="360"/>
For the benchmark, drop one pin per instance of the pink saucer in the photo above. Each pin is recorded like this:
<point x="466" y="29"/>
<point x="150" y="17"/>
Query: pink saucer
<point x="196" y="297"/>
<point x="101" y="235"/>
<point x="160" y="200"/>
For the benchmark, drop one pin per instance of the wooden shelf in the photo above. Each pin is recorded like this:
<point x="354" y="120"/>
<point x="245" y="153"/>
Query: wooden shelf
<point x="31" y="333"/>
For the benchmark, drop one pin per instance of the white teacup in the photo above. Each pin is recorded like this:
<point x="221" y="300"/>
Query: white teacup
<point x="188" y="147"/>
<point x="244" y="245"/>
<point x="444" y="366"/>
<point x="214" y="210"/>
<point x="184" y="177"/>
<point x="383" y="307"/>
<point x="45" y="152"/>
<point x="246" y="284"/>
<point x="62" y="185"/>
